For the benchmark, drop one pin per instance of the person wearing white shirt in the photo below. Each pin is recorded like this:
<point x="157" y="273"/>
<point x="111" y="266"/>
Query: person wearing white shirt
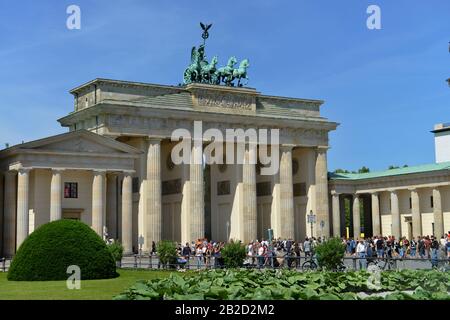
<point x="361" y="252"/>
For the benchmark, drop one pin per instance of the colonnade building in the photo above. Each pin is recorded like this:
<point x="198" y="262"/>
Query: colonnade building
<point x="113" y="168"/>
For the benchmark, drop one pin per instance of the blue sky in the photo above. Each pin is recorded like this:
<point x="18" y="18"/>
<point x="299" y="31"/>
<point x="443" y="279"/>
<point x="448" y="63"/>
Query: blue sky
<point x="386" y="87"/>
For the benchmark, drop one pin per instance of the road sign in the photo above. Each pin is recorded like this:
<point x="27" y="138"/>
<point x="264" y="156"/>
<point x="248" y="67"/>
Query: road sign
<point x="311" y="218"/>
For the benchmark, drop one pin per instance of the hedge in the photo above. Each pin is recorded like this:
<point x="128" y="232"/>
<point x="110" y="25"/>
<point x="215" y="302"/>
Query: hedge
<point x="52" y="248"/>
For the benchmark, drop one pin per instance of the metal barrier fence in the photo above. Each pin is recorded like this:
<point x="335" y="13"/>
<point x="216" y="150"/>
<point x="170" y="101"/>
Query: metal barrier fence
<point x="299" y="263"/>
<point x="290" y="262"/>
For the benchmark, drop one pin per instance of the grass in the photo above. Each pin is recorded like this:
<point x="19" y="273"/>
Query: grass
<point x="90" y="289"/>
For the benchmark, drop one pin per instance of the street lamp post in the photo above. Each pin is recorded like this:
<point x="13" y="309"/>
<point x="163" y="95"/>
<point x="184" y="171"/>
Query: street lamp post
<point x="311" y="220"/>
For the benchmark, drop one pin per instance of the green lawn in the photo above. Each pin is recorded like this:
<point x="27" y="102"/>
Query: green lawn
<point x="90" y="289"/>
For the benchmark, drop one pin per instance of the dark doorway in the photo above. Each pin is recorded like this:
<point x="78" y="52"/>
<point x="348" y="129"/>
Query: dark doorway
<point x="207" y="199"/>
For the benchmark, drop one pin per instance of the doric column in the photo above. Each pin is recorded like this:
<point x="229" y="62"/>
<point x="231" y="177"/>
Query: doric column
<point x="111" y="205"/>
<point x="336" y="214"/>
<point x="249" y="195"/>
<point x="55" y="195"/>
<point x="197" y="218"/>
<point x="322" y="209"/>
<point x="97" y="202"/>
<point x="153" y="189"/>
<point x="356" y="217"/>
<point x="9" y="221"/>
<point x="22" y="205"/>
<point x="395" y="214"/>
<point x="376" y="226"/>
<point x="286" y="194"/>
<point x="415" y="211"/>
<point x="437" y="212"/>
<point x="127" y="213"/>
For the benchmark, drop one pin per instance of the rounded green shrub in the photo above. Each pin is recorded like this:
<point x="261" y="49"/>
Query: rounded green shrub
<point x="167" y="253"/>
<point x="233" y="254"/>
<point x="330" y="253"/>
<point x="52" y="248"/>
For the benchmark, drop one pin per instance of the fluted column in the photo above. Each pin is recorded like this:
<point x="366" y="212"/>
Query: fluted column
<point x="376" y="225"/>
<point x="153" y="189"/>
<point x="111" y="205"/>
<point x="415" y="212"/>
<point x="286" y="194"/>
<point x="437" y="212"/>
<point x="127" y="213"/>
<point x="97" y="202"/>
<point x="322" y="206"/>
<point x="197" y="218"/>
<point x="9" y="221"/>
<point x="55" y="195"/>
<point x="395" y="213"/>
<point x="356" y="217"/>
<point x="336" y="214"/>
<point x="249" y="191"/>
<point x="22" y="205"/>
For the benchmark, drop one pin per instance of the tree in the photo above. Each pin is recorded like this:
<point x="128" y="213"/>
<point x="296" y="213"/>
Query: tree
<point x="363" y="169"/>
<point x="341" y="171"/>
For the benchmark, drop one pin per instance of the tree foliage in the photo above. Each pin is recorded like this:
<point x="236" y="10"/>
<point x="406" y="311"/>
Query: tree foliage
<point x="233" y="254"/>
<point x="330" y="253"/>
<point x="167" y="252"/>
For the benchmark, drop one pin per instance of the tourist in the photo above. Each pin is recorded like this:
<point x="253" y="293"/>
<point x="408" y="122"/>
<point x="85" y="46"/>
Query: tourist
<point x="405" y="247"/>
<point x="421" y="246"/>
<point x="251" y="253"/>
<point x="307" y="247"/>
<point x="447" y="245"/>
<point x="199" y="255"/>
<point x="427" y="244"/>
<point x="261" y="255"/>
<point x="186" y="253"/>
<point x="380" y="247"/>
<point x="361" y="253"/>
<point x="434" y="246"/>
<point x="413" y="247"/>
<point x="153" y="252"/>
<point x="297" y="253"/>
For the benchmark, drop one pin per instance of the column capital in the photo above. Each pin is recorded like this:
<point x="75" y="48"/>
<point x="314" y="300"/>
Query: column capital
<point x="412" y="189"/>
<point x="375" y="193"/>
<point x="287" y="147"/>
<point x="154" y="139"/>
<point x="392" y="191"/>
<point x="57" y="170"/>
<point x="322" y="148"/>
<point x="128" y="172"/>
<point x="436" y="188"/>
<point x="24" y="170"/>
<point x="334" y="193"/>
<point x="99" y="171"/>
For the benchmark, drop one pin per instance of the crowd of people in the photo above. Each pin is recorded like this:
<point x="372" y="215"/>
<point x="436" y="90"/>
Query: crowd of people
<point x="287" y="252"/>
<point x="424" y="247"/>
<point x="204" y="253"/>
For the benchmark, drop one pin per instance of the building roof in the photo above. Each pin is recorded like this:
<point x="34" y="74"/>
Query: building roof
<point x="441" y="127"/>
<point x="393" y="172"/>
